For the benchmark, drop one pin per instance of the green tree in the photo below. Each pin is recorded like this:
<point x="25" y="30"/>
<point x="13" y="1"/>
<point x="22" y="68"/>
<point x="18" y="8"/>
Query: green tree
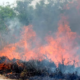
<point x="6" y="13"/>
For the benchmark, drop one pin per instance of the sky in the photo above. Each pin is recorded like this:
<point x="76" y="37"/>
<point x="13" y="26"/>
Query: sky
<point x="5" y="1"/>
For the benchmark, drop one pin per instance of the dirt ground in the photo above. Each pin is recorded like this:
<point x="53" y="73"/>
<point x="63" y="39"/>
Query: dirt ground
<point x="4" y="78"/>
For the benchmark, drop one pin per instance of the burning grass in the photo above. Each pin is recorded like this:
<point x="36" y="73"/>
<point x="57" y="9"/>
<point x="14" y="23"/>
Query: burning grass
<point x="33" y="69"/>
<point x="25" y="60"/>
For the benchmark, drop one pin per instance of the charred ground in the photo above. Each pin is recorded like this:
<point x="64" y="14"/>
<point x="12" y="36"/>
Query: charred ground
<point x="33" y="69"/>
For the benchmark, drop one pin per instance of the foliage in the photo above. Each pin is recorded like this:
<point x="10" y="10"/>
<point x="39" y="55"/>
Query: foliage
<point x="6" y="13"/>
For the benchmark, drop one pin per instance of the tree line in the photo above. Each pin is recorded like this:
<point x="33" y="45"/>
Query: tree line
<point x="44" y="14"/>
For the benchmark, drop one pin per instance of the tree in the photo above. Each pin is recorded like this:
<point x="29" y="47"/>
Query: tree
<point x="6" y="13"/>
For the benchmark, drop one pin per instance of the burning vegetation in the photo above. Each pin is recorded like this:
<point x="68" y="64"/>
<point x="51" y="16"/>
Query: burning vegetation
<point x="17" y="69"/>
<point x="42" y="46"/>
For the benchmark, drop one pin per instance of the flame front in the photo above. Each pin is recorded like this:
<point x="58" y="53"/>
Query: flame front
<point x="61" y="43"/>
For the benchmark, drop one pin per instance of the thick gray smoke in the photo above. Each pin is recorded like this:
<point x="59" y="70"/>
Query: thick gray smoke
<point x="10" y="35"/>
<point x="73" y="16"/>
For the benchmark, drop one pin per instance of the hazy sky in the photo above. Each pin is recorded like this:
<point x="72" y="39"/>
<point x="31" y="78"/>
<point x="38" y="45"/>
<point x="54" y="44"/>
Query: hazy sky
<point x="4" y="1"/>
<point x="13" y="1"/>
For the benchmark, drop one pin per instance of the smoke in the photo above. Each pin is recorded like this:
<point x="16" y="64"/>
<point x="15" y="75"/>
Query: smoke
<point x="46" y="18"/>
<point x="72" y="12"/>
<point x="11" y="33"/>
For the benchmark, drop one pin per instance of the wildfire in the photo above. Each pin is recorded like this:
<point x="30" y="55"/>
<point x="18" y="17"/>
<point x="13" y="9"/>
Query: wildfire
<point x="61" y="43"/>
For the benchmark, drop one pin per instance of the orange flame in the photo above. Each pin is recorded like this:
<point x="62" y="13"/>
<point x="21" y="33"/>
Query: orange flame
<point x="63" y="43"/>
